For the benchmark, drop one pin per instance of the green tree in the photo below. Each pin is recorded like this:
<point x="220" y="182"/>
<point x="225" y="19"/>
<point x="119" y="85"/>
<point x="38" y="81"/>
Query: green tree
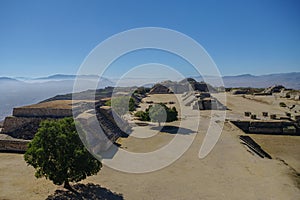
<point x="57" y="153"/>
<point x="131" y="104"/>
<point x="172" y="114"/>
<point x="143" y="116"/>
<point x="158" y="113"/>
<point x="121" y="105"/>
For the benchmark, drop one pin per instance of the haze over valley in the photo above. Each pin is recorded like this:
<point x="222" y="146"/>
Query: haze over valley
<point x="22" y="91"/>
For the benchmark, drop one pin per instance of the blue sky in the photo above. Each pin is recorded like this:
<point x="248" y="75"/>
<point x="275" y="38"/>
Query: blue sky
<point x="39" y="38"/>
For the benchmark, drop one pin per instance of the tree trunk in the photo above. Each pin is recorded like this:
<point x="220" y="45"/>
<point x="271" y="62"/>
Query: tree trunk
<point x="67" y="185"/>
<point x="159" y="124"/>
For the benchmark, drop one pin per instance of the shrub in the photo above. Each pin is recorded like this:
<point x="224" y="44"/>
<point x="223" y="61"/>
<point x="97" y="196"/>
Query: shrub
<point x="121" y="105"/>
<point x="157" y="112"/>
<point x="282" y="104"/>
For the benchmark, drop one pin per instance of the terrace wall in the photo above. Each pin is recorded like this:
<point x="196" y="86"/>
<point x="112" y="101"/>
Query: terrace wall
<point x="42" y="112"/>
<point x="21" y="127"/>
<point x="13" y="145"/>
<point x="265" y="127"/>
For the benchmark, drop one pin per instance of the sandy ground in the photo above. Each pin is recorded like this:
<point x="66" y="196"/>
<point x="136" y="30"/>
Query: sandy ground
<point x="228" y="172"/>
<point x="280" y="147"/>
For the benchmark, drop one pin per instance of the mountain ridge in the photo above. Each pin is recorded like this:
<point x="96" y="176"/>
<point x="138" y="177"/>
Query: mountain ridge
<point x="289" y="80"/>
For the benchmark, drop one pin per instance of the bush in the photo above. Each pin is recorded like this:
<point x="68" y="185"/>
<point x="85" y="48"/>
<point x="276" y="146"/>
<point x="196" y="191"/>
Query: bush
<point x="143" y="116"/>
<point x="282" y="104"/>
<point x="118" y="104"/>
<point x="156" y="113"/>
<point x="172" y="114"/>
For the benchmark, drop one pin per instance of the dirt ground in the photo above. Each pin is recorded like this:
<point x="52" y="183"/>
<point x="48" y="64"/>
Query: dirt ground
<point x="228" y="172"/>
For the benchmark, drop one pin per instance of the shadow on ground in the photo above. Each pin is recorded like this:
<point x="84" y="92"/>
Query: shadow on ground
<point x="85" y="192"/>
<point x="173" y="130"/>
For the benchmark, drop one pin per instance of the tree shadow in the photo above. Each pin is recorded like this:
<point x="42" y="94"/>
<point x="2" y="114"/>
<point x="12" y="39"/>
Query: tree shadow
<point x="173" y="130"/>
<point x="85" y="192"/>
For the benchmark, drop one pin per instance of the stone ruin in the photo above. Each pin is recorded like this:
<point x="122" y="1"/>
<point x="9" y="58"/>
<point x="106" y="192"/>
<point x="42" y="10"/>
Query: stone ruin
<point x="271" y="90"/>
<point x="274" y="89"/>
<point x="202" y="101"/>
<point x="185" y="85"/>
<point x="270" y="123"/>
<point x="290" y="94"/>
<point x="277" y="127"/>
<point x="24" y="123"/>
<point x="238" y="91"/>
<point x="160" y="89"/>
<point x="13" y="145"/>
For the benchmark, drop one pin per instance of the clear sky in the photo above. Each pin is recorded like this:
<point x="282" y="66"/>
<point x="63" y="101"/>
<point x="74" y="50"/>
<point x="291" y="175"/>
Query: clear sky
<point x="39" y="38"/>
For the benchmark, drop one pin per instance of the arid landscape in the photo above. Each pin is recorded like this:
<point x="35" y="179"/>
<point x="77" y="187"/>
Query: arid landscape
<point x="230" y="171"/>
<point x="149" y="100"/>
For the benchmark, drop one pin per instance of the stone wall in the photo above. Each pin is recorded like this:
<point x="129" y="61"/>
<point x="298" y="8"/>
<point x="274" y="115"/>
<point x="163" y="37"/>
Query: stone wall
<point x="244" y="125"/>
<point x="266" y="130"/>
<point x="13" y="123"/>
<point x="13" y="145"/>
<point x="207" y="104"/>
<point x="160" y="89"/>
<point x="113" y="125"/>
<point x="42" y="112"/>
<point x="271" y="127"/>
<point x="25" y="120"/>
<point x="100" y="140"/>
<point x="180" y="88"/>
<point x="21" y="127"/>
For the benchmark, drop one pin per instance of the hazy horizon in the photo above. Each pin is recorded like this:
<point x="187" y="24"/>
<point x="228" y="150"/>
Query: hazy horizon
<point x="49" y="75"/>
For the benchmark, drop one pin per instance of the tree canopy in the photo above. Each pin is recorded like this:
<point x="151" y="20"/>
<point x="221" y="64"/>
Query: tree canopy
<point x="158" y="113"/>
<point x="57" y="153"/>
<point x="122" y="104"/>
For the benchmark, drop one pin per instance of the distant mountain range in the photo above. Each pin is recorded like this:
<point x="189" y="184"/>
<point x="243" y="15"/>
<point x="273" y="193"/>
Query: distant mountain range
<point x="6" y="79"/>
<point x="288" y="80"/>
<point x="15" y="92"/>
<point x="21" y="91"/>
<point x="67" y="77"/>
